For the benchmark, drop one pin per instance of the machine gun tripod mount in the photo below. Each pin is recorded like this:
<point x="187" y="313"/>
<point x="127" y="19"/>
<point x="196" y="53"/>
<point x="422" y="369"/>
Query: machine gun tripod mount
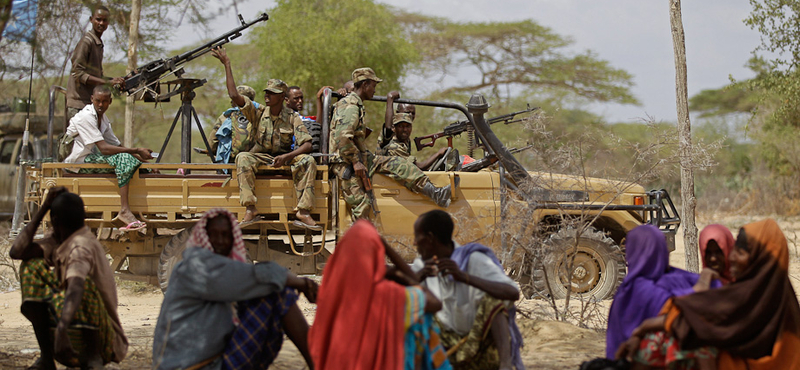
<point x="186" y="113"/>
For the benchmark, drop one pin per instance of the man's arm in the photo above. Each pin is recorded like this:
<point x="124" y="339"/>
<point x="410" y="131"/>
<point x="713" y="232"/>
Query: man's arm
<point x="428" y="162"/>
<point x="141" y="154"/>
<point x="230" y="83"/>
<point x="285" y="159"/>
<point x="303" y="140"/>
<point x="24" y="248"/>
<point x="319" y="102"/>
<point x="502" y="291"/>
<point x="388" y="118"/>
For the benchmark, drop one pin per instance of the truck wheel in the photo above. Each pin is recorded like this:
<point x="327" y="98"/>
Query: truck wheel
<point x="315" y="130"/>
<point x="170" y="256"/>
<point x="597" y="270"/>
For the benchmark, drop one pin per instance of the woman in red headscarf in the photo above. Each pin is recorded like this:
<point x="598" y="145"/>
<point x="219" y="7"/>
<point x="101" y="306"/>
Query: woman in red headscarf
<point x="716" y="244"/>
<point x="753" y="321"/>
<point x="362" y="317"/>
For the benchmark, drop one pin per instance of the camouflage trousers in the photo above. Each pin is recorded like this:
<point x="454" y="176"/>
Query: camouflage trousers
<point x="398" y="168"/>
<point x="304" y="172"/>
<point x="478" y="351"/>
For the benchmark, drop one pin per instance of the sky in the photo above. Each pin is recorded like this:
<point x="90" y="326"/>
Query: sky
<point x="633" y="35"/>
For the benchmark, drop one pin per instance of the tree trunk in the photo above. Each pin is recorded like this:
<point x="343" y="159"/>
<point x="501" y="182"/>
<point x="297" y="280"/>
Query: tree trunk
<point x="133" y="43"/>
<point x="5" y="15"/>
<point x="688" y="200"/>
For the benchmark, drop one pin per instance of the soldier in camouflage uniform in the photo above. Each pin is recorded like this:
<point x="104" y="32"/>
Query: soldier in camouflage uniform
<point x="241" y="131"/>
<point x="348" y="135"/>
<point x="280" y="139"/>
<point x="399" y="143"/>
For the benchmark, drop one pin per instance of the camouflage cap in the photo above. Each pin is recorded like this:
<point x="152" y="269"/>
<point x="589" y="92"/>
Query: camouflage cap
<point x="247" y="91"/>
<point x="402" y="117"/>
<point x="277" y="86"/>
<point x="365" y="73"/>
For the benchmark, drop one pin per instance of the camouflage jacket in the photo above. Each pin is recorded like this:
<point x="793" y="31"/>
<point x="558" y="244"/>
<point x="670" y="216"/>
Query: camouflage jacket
<point x="348" y="130"/>
<point x="276" y="135"/>
<point x="242" y="134"/>
<point x="397" y="148"/>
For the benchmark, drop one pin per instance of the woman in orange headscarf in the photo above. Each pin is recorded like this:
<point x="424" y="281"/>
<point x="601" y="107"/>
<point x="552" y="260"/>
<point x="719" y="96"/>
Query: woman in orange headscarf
<point x="363" y="319"/>
<point x="754" y="321"/>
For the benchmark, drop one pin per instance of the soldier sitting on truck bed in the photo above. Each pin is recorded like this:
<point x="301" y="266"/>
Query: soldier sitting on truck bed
<point x="67" y="284"/>
<point x="91" y="129"/>
<point x="353" y="163"/>
<point x="395" y="137"/>
<point x="281" y="139"/>
<point x="233" y="132"/>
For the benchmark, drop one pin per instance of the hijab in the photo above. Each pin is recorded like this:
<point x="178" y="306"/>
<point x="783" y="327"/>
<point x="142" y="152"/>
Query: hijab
<point x="724" y="239"/>
<point x="359" y="323"/>
<point x="199" y="237"/>
<point x="650" y="282"/>
<point x="745" y="318"/>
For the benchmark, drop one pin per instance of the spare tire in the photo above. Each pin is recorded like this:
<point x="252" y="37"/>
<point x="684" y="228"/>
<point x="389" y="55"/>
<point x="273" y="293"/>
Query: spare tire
<point x="315" y="129"/>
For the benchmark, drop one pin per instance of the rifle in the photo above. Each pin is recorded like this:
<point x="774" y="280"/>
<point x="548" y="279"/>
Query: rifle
<point x="489" y="160"/>
<point x="148" y="75"/>
<point x="455" y="129"/>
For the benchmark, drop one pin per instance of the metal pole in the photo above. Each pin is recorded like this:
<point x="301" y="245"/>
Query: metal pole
<point x="19" y="204"/>
<point x="186" y="126"/>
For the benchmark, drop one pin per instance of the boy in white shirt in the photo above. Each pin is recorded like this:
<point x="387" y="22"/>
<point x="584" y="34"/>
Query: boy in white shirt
<point x="95" y="142"/>
<point x="477" y="315"/>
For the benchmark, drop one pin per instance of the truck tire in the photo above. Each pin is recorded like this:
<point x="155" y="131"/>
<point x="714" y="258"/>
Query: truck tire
<point x="598" y="268"/>
<point x="170" y="256"/>
<point x="315" y="129"/>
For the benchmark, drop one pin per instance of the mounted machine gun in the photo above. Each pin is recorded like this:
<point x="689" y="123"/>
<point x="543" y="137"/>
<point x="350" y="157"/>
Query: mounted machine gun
<point x="148" y="76"/>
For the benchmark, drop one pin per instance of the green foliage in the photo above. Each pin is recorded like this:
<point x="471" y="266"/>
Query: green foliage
<point x="734" y="98"/>
<point x="317" y="43"/>
<point x="510" y="58"/>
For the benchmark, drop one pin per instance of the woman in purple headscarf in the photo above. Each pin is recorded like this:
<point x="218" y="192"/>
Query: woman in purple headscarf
<point x="649" y="284"/>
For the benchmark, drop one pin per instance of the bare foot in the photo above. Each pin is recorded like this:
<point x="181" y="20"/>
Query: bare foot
<point x="250" y="214"/>
<point x="127" y="217"/>
<point x="304" y="216"/>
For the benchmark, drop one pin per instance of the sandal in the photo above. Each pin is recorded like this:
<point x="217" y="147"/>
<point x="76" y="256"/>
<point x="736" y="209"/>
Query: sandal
<point x="134" y="226"/>
<point x="248" y="223"/>
<point x="304" y="225"/>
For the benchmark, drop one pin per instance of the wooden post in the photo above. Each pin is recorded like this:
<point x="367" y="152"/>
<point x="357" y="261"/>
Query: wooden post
<point x="133" y="43"/>
<point x="688" y="200"/>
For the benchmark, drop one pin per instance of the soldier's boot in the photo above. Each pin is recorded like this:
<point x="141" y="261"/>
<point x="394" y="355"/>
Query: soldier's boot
<point x="440" y="196"/>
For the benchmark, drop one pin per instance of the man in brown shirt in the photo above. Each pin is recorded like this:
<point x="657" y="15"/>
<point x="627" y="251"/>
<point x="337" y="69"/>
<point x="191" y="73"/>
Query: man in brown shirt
<point x="77" y="296"/>
<point x="87" y="64"/>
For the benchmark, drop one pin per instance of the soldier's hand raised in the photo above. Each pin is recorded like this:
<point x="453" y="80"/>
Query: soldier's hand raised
<point x="219" y="53"/>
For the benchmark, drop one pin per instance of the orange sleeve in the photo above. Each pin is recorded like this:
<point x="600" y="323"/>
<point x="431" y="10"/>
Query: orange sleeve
<point x="672" y="313"/>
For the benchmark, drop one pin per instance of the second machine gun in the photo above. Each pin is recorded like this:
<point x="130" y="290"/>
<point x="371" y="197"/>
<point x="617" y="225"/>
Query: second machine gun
<point x="148" y="75"/>
<point x="457" y="128"/>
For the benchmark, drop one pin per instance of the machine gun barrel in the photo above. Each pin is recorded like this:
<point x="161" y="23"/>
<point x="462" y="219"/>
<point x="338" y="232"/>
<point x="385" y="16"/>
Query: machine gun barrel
<point x="152" y="72"/>
<point x="490" y="160"/>
<point x="459" y="127"/>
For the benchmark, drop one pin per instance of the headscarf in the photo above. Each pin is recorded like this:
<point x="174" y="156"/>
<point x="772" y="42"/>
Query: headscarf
<point x="724" y="239"/>
<point x="745" y="318"/>
<point x="649" y="284"/>
<point x="359" y="323"/>
<point x="199" y="237"/>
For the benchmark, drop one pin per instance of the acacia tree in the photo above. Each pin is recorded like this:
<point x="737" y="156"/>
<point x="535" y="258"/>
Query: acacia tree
<point x="513" y="58"/>
<point x="317" y="43"/>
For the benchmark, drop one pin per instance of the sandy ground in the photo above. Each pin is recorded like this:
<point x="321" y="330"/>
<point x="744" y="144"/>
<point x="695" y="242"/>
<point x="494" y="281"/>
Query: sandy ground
<point x="549" y="343"/>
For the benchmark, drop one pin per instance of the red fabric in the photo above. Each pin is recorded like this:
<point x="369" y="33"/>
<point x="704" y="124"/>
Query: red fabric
<point x="359" y="320"/>
<point x="724" y="239"/>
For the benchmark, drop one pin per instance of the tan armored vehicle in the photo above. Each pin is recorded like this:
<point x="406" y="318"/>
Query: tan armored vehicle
<point x="171" y="203"/>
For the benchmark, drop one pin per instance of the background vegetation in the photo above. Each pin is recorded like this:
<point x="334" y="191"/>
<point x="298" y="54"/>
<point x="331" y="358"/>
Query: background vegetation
<point x="748" y="158"/>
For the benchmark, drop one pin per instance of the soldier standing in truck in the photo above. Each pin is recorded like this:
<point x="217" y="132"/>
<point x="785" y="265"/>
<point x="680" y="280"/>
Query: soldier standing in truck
<point x="281" y="139"/>
<point x="352" y="162"/>
<point x="87" y="64"/>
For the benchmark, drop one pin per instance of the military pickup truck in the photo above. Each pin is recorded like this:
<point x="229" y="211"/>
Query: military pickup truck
<point x="590" y="262"/>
